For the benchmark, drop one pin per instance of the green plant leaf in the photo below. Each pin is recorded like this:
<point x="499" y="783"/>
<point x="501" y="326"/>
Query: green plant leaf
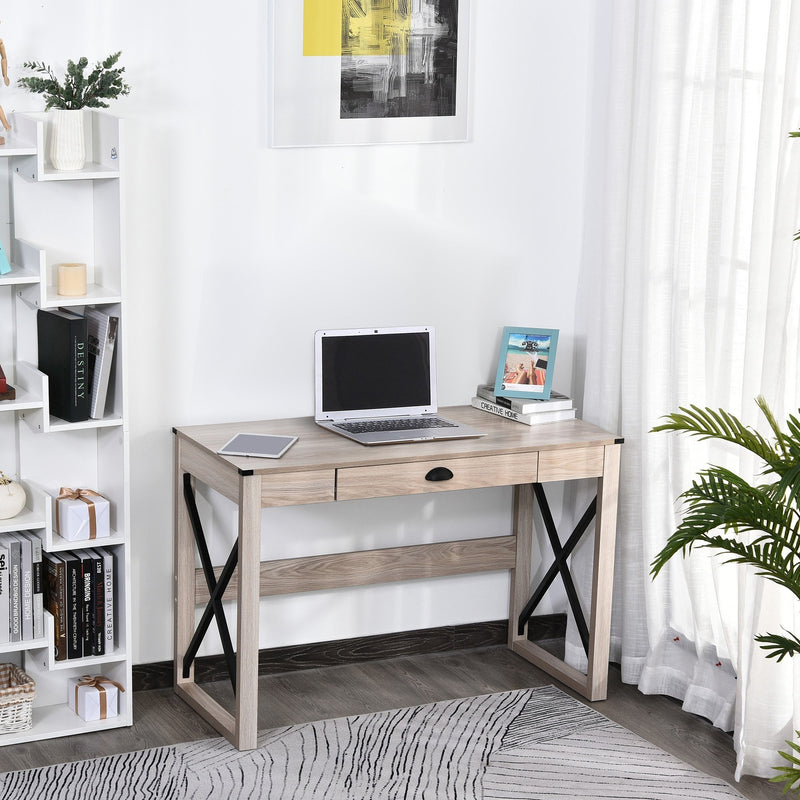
<point x="78" y="90"/>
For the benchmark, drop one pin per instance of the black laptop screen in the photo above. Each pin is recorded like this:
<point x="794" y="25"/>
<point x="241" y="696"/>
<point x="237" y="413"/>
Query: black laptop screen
<point x="384" y="370"/>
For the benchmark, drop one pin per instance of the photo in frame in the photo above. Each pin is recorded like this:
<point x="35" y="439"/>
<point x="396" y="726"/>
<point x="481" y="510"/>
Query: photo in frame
<point x="526" y="363"/>
<point x="366" y="72"/>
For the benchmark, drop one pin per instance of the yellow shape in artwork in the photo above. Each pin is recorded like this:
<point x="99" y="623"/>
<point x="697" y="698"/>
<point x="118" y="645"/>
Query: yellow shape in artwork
<point x="355" y="27"/>
<point x="322" y="27"/>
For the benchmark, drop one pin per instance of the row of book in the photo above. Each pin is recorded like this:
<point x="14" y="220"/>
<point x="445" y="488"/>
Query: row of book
<point x="556" y="408"/>
<point x="76" y="353"/>
<point x="76" y="587"/>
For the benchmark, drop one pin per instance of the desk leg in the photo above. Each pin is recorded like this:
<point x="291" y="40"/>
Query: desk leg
<point x="247" y="613"/>
<point x="183" y="576"/>
<point x="521" y="574"/>
<point x="603" y="575"/>
<point x="593" y="684"/>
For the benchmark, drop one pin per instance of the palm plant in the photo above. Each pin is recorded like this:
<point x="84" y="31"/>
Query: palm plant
<point x="757" y="525"/>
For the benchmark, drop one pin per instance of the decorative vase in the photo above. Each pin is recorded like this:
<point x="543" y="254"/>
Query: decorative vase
<point x="12" y="498"/>
<point x="67" y="146"/>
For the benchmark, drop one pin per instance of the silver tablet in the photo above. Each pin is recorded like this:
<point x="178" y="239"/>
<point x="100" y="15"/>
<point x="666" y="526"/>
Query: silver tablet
<point x="257" y="445"/>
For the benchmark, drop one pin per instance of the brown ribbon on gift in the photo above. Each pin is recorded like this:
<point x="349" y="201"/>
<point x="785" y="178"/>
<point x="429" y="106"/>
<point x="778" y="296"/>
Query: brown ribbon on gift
<point x="80" y="494"/>
<point x="97" y="682"/>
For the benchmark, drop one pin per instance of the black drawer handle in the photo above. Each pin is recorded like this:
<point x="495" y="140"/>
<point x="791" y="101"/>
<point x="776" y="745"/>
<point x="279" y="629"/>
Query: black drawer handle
<point x="439" y="474"/>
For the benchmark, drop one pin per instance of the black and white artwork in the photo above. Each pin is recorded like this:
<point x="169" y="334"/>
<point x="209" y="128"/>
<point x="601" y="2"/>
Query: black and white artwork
<point x="417" y="74"/>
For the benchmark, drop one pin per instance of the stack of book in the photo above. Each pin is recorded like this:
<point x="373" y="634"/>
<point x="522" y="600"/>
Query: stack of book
<point x="529" y="412"/>
<point x="76" y="352"/>
<point x="76" y="587"/>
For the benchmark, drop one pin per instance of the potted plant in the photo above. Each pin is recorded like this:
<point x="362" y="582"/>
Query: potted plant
<point x="755" y="524"/>
<point x="67" y="100"/>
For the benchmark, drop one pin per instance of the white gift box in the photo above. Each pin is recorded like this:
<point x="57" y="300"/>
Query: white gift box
<point x="81" y="517"/>
<point x="93" y="698"/>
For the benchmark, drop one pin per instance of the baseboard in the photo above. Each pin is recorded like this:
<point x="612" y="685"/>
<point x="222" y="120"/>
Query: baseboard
<point x="271" y="661"/>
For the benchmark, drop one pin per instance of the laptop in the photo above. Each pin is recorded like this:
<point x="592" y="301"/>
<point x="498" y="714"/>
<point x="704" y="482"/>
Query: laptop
<point x="378" y="386"/>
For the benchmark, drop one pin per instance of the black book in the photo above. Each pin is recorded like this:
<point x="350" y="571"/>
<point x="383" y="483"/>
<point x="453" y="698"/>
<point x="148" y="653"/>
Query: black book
<point x="96" y="618"/>
<point x="63" y="357"/>
<point x="87" y="603"/>
<point x="56" y="601"/>
<point x="74" y="576"/>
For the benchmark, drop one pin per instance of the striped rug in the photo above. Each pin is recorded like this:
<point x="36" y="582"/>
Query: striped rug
<point x="525" y="744"/>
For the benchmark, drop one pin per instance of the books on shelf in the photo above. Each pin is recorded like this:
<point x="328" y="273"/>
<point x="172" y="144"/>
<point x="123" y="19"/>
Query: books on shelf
<point x="542" y="414"/>
<point x="556" y="401"/>
<point x="75" y="587"/>
<point x="5" y="629"/>
<point x="21" y="598"/>
<point x="102" y="337"/>
<point x="62" y="347"/>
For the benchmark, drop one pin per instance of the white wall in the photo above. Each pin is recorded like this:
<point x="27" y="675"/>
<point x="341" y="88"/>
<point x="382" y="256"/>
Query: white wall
<point x="237" y="252"/>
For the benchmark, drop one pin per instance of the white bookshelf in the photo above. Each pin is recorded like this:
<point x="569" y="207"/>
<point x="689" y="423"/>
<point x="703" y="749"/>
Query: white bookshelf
<point x="52" y="217"/>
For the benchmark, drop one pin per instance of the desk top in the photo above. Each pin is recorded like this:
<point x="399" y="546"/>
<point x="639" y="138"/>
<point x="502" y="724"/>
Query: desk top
<point x="317" y="448"/>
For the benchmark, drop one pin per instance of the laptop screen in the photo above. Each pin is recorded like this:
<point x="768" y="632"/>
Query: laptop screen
<point x="375" y="372"/>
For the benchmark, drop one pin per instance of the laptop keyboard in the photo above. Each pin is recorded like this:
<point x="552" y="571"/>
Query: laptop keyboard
<point x="405" y="424"/>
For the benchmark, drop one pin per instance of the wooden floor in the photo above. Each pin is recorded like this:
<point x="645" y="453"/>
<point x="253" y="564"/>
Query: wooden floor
<point x="301" y="696"/>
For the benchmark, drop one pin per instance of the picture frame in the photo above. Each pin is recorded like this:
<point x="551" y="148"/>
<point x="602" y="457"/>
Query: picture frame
<point x="379" y="83"/>
<point x="526" y="363"/>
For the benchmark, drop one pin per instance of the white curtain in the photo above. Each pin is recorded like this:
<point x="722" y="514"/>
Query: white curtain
<point x="690" y="295"/>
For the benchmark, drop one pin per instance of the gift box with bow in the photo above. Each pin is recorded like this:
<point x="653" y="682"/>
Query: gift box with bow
<point x="94" y="697"/>
<point x="81" y="514"/>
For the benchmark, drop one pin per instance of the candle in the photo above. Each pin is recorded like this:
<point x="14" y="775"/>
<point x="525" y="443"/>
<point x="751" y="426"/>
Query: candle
<point x="72" y="280"/>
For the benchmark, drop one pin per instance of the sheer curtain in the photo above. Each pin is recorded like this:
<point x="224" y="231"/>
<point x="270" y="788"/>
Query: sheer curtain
<point x="690" y="294"/>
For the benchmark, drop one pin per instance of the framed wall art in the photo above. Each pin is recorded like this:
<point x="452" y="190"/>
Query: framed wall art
<point x="527" y="360"/>
<point x="368" y="71"/>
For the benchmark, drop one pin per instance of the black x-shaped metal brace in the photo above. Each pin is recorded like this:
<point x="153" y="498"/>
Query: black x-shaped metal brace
<point x="216" y="589"/>
<point x="559" y="566"/>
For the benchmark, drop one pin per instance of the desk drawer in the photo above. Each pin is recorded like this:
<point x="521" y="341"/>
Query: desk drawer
<point x="386" y="480"/>
<point x="298" y="488"/>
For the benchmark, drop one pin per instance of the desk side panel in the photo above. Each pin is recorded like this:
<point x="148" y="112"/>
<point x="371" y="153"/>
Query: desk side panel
<point x="208" y="468"/>
<point x="571" y="464"/>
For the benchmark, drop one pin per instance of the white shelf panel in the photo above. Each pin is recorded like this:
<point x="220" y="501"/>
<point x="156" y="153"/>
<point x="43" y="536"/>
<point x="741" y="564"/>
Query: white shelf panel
<point x="44" y="659"/>
<point x="94" y="294"/>
<point x="19" y="275"/>
<point x="16" y="146"/>
<point x="56" y="544"/>
<point x="23" y="401"/>
<point x="27" y="520"/>
<point x="39" y="296"/>
<point x="55" y="424"/>
<point x="60" y="720"/>
<point x="29" y="644"/>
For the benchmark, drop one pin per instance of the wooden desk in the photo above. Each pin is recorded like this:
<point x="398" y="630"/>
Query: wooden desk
<point x="322" y="468"/>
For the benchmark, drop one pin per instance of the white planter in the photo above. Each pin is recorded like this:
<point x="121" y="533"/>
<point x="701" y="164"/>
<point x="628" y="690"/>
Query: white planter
<point x="12" y="499"/>
<point x="67" y="145"/>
